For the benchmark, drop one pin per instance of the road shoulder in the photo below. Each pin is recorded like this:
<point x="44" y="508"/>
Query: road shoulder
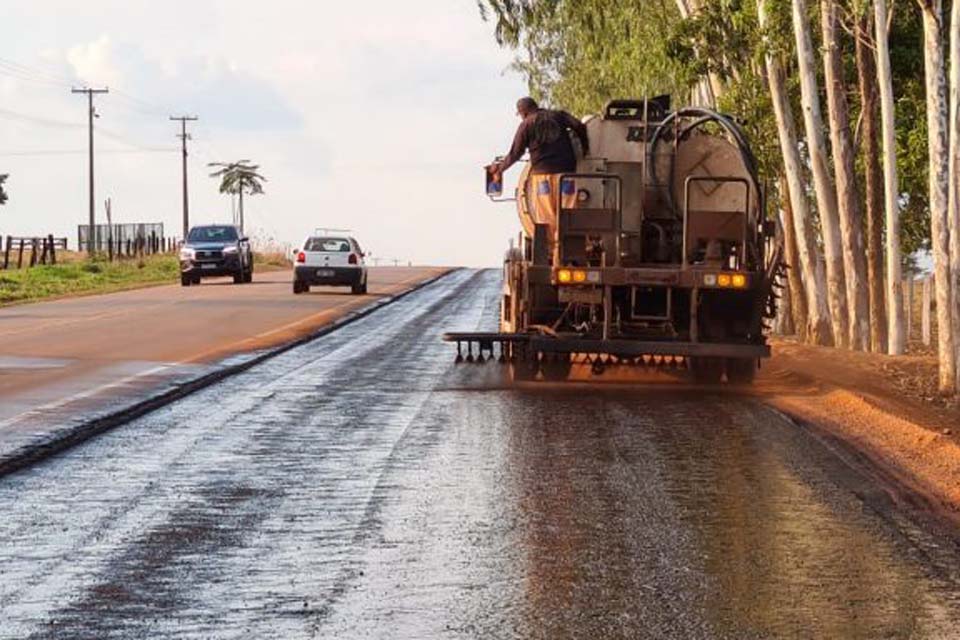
<point x="858" y="405"/>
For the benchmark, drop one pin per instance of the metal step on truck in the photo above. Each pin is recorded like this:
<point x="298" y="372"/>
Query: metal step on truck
<point x="663" y="255"/>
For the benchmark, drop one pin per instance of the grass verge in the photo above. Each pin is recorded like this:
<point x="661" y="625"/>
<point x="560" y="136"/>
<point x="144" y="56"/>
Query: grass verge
<point x="70" y="278"/>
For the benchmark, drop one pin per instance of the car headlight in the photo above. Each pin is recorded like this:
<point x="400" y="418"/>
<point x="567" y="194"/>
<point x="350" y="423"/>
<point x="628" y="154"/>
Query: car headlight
<point x="186" y="254"/>
<point x="230" y="249"/>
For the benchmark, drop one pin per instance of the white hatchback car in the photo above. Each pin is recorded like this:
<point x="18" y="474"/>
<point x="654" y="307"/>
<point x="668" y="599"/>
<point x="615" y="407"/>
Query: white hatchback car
<point x="329" y="260"/>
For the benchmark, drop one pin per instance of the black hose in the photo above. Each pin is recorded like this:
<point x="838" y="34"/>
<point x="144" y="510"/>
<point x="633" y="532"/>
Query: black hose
<point x="705" y="116"/>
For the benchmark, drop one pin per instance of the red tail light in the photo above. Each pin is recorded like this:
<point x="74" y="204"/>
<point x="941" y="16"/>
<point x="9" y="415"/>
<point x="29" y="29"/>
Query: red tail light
<point x="352" y="259"/>
<point x="301" y="257"/>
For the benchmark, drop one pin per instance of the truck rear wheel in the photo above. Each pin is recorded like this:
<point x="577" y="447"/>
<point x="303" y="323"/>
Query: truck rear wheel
<point x="523" y="365"/>
<point x="741" y="370"/>
<point x="706" y="370"/>
<point x="556" y="367"/>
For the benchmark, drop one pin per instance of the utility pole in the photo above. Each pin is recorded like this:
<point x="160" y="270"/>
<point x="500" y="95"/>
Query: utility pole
<point x="91" y="114"/>
<point x="184" y="136"/>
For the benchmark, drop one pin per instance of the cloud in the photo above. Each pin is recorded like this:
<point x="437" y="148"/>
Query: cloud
<point x="236" y="98"/>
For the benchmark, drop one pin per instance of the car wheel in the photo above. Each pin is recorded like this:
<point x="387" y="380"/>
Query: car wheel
<point x="238" y="276"/>
<point x="356" y="289"/>
<point x="297" y="287"/>
<point x="185" y="280"/>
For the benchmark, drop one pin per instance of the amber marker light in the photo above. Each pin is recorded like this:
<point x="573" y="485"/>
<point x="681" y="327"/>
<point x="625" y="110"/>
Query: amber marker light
<point x="739" y="280"/>
<point x="564" y="276"/>
<point x="723" y="280"/>
<point x="579" y="276"/>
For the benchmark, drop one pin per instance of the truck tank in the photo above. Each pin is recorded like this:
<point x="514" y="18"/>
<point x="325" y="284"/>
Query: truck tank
<point x="664" y="257"/>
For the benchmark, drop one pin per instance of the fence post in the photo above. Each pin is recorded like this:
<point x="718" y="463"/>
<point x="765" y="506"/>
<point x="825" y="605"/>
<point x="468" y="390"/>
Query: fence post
<point x="6" y="254"/>
<point x="925" y="312"/>
<point x="908" y="305"/>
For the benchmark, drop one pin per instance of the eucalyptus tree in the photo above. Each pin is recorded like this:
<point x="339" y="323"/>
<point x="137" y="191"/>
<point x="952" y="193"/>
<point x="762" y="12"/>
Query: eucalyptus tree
<point x="795" y="212"/>
<point x="939" y="182"/>
<point x="896" y="335"/>
<point x="953" y="195"/>
<point x="847" y="196"/>
<point x="238" y="178"/>
<point x="824" y="189"/>
<point x="873" y="176"/>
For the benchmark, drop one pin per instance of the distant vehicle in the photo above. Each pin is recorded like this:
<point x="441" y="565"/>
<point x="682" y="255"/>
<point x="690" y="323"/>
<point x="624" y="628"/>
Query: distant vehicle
<point x="215" y="250"/>
<point x="329" y="260"/>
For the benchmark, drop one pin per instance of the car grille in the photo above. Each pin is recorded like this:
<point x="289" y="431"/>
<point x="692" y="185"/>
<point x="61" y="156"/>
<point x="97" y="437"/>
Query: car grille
<point x="209" y="255"/>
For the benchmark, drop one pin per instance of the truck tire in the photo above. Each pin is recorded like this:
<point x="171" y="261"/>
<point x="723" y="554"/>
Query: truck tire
<point x="706" y="370"/>
<point x="556" y="367"/>
<point x="185" y="280"/>
<point x="523" y="366"/>
<point x="238" y="277"/>
<point x="741" y="370"/>
<point x="298" y="287"/>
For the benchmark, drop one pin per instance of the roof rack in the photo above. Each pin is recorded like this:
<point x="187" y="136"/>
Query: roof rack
<point x="324" y="231"/>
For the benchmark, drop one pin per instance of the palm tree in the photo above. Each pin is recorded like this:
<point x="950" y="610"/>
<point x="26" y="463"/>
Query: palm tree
<point x="238" y="177"/>
<point x="3" y="194"/>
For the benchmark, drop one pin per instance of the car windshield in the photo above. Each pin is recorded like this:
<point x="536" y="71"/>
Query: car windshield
<point x="212" y="234"/>
<point x="328" y="244"/>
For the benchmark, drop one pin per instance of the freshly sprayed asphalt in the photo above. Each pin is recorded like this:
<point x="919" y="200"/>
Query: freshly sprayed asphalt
<point x="361" y="485"/>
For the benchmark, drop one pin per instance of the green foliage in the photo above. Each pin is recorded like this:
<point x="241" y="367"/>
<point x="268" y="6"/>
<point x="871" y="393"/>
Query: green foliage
<point x="73" y="278"/>
<point x="578" y="55"/>
<point x="239" y="176"/>
<point x="3" y="194"/>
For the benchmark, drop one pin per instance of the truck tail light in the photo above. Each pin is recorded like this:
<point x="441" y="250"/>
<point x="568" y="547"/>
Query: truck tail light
<point x="301" y="257"/>
<point x="352" y="259"/>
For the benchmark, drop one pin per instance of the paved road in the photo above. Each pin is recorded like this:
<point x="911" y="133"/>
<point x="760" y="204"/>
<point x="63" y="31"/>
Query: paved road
<point x="361" y="486"/>
<point x="70" y="350"/>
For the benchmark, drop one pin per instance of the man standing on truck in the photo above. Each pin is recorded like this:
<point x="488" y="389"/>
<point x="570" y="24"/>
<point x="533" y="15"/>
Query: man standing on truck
<point x="545" y="133"/>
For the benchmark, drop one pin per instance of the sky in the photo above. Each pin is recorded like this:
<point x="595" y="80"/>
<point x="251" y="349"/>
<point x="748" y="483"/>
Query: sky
<point x="373" y="116"/>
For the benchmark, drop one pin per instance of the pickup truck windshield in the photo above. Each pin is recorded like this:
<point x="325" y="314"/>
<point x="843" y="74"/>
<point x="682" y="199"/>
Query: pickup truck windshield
<point x="212" y="234"/>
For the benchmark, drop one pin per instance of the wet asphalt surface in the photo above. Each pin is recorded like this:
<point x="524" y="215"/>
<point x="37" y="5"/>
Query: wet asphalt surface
<point x="362" y="486"/>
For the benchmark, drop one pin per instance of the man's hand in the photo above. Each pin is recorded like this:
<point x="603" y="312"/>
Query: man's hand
<point x="495" y="169"/>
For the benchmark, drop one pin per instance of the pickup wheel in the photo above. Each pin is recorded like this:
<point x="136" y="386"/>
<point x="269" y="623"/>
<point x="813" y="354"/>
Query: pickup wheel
<point x="185" y="280"/>
<point x="239" y="277"/>
<point x="299" y="287"/>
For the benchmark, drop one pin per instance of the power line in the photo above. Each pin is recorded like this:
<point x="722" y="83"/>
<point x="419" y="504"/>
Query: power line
<point x="72" y="152"/>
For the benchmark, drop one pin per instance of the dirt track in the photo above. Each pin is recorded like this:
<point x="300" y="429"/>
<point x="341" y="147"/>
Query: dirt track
<point x="363" y="486"/>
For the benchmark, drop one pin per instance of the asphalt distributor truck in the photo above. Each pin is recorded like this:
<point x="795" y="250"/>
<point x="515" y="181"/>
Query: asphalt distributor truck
<point x="663" y="255"/>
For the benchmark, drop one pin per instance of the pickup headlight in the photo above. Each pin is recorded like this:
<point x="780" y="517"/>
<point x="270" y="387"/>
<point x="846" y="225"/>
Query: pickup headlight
<point x="186" y="253"/>
<point x="230" y="249"/>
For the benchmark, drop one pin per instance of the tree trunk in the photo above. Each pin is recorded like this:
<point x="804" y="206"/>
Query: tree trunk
<point x="954" y="167"/>
<point x="798" y="304"/>
<point x="937" y="112"/>
<point x="896" y="338"/>
<point x="818" y="324"/>
<point x="848" y="198"/>
<point x="867" y="76"/>
<point x="822" y="182"/>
